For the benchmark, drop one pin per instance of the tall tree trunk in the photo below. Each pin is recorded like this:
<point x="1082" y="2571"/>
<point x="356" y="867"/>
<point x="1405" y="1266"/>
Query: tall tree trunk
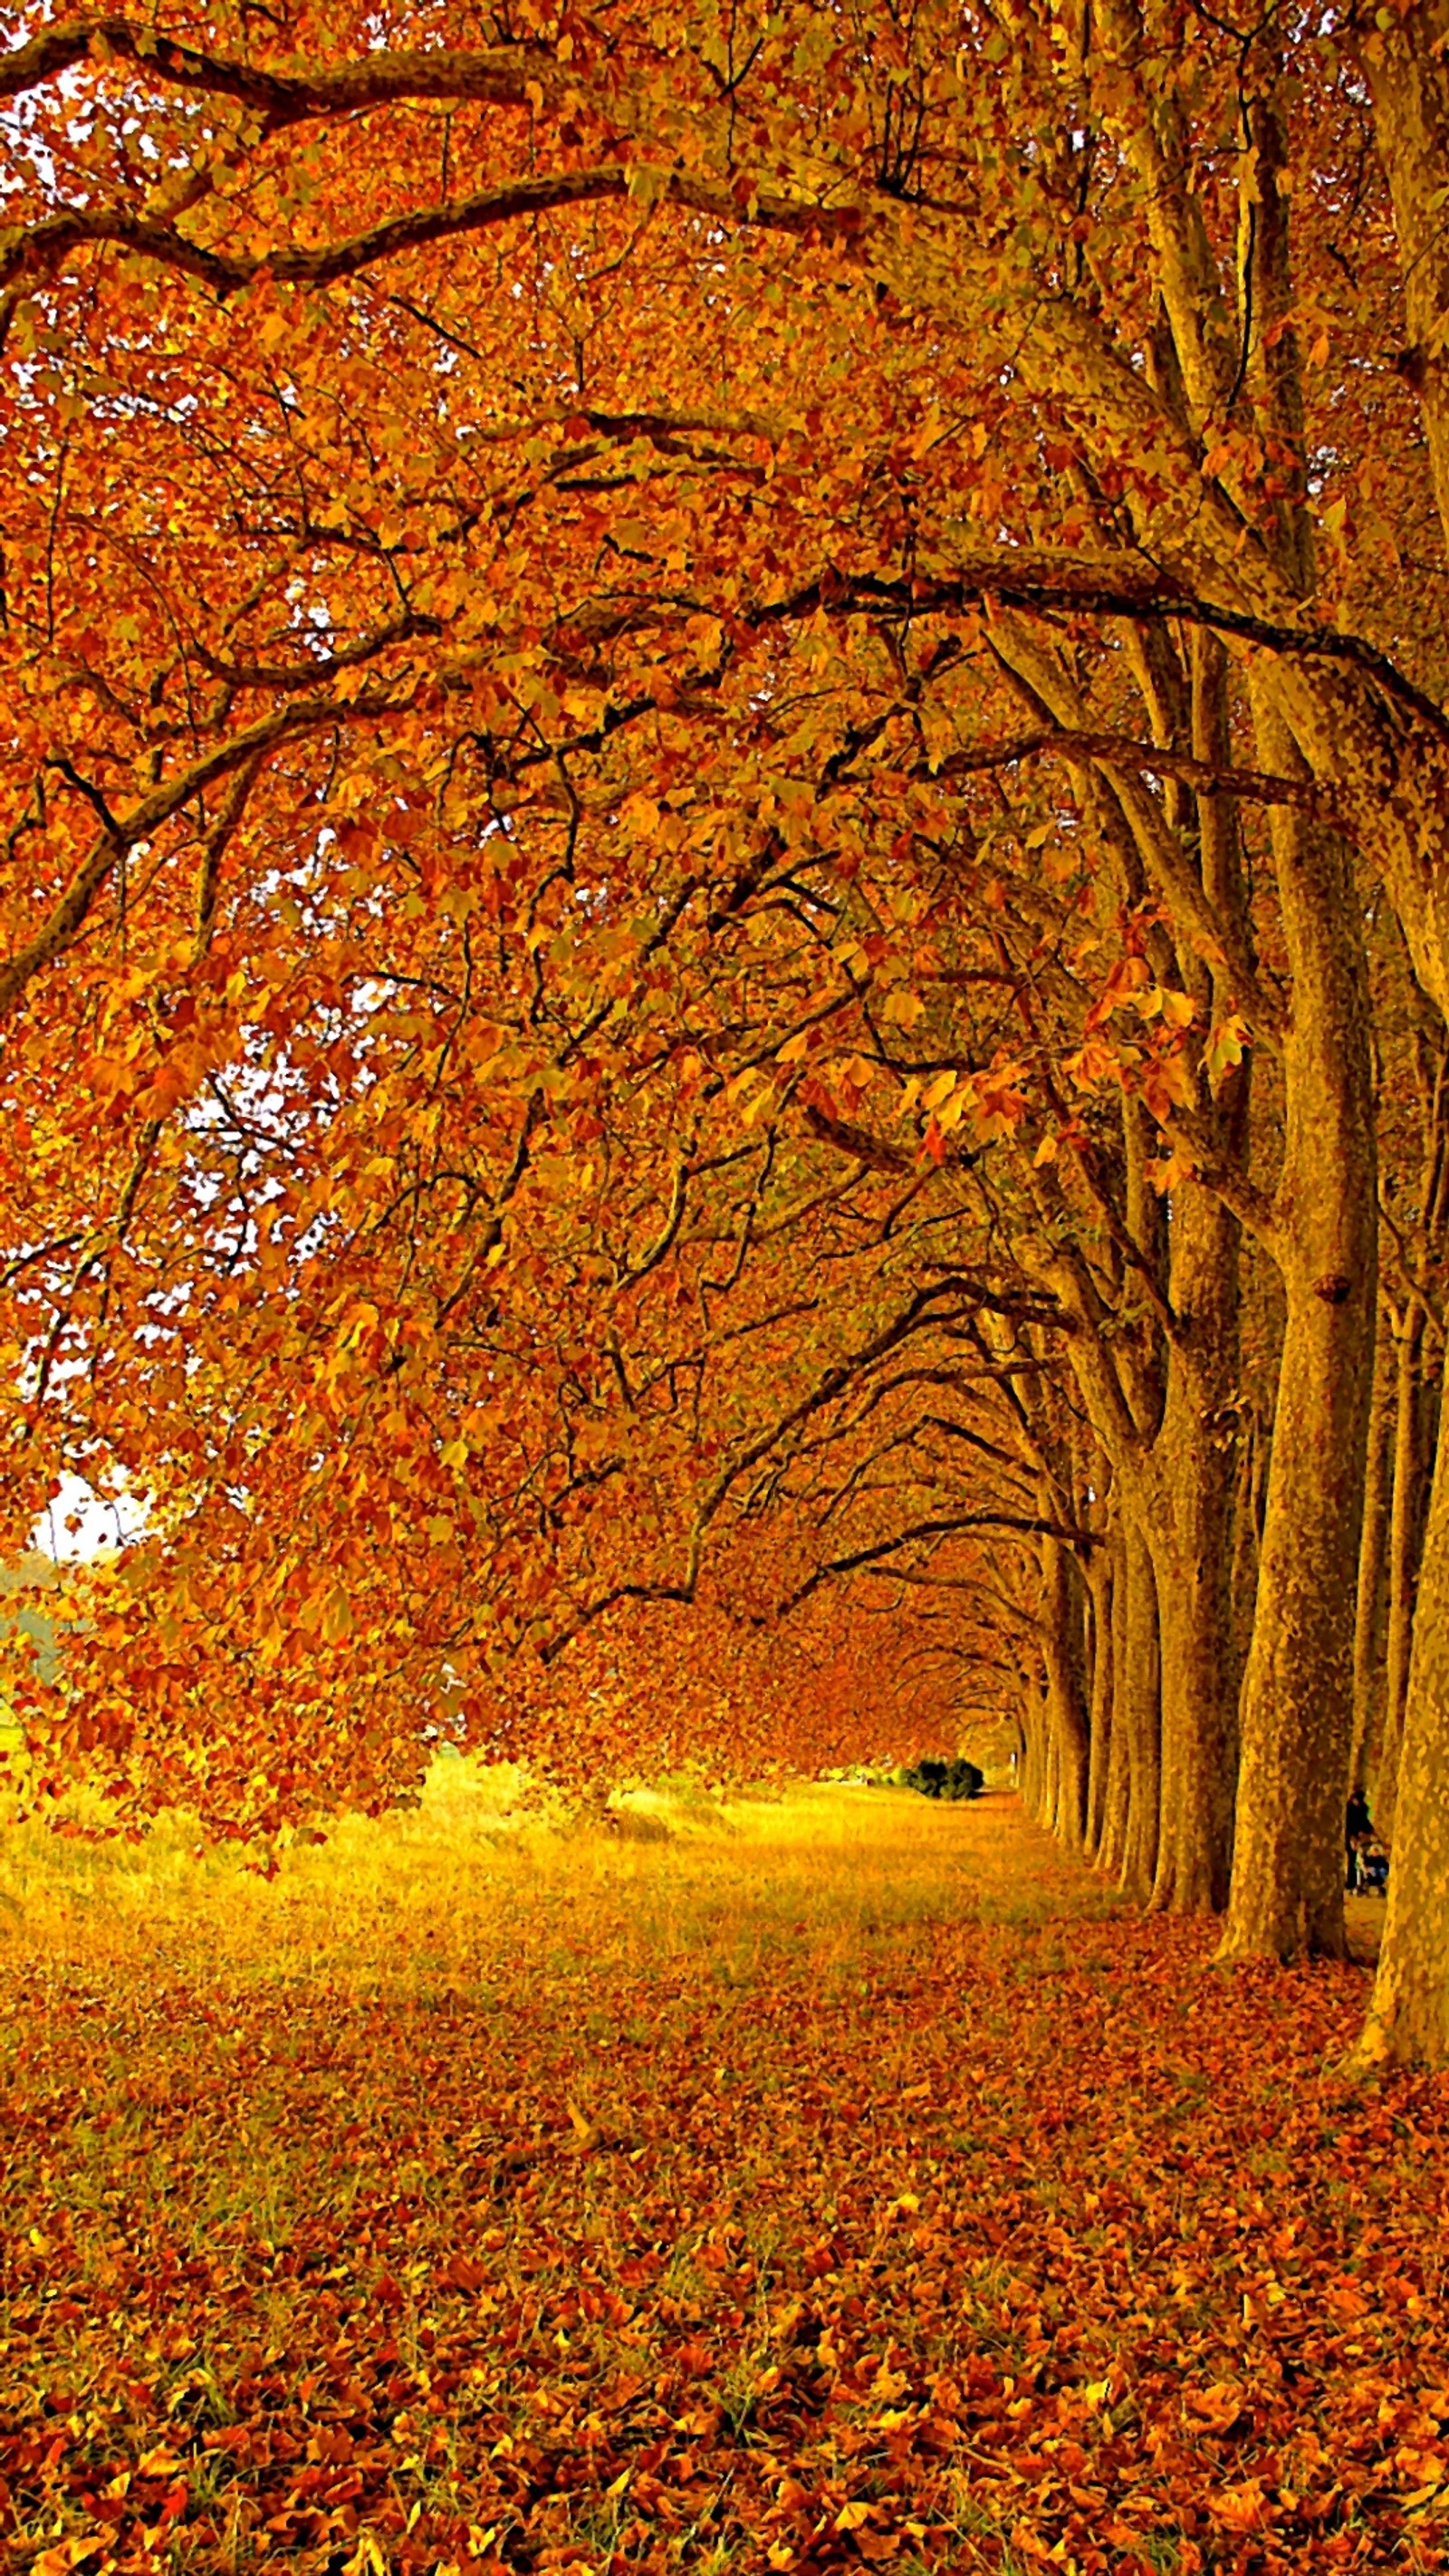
<point x="1297" y="1706"/>
<point x="1404" y="1533"/>
<point x="1137" y="1715"/>
<point x="1051" y="1770"/>
<point x="1066" y="1714"/>
<point x="1409" y="77"/>
<point x="1101" y="1583"/>
<point x="1189" y="1535"/>
<point x="1116" y="1779"/>
<point x="1249" y="1497"/>
<point x="1368" y="1633"/>
<point x="1408" y="2020"/>
<point x="1031" y="1779"/>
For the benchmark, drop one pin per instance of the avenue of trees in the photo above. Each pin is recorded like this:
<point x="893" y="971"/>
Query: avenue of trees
<point x="725" y="795"/>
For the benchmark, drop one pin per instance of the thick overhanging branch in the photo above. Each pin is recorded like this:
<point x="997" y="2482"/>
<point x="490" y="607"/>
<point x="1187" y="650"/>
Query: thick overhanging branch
<point x="498" y="76"/>
<point x="874" y="1151"/>
<point x="1124" y="752"/>
<point x="1046" y="583"/>
<point x="37" y="250"/>
<point x="864" y="1559"/>
<point x="243" y="750"/>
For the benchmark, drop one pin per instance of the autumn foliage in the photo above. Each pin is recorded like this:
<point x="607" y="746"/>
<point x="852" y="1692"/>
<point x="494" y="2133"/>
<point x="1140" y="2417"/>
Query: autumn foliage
<point x="727" y="838"/>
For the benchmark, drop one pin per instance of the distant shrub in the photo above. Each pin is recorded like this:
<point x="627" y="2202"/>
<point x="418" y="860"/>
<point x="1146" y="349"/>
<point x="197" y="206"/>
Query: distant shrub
<point x="958" y="1779"/>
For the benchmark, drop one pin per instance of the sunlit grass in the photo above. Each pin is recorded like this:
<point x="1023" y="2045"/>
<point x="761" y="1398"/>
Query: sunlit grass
<point x="417" y="1903"/>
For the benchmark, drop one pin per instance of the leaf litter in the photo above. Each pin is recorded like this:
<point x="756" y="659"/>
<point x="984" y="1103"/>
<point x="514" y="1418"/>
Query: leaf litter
<point x="661" y="2211"/>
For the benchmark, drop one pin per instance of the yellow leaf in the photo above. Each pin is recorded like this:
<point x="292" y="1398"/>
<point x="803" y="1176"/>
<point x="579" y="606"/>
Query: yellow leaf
<point x="336" y="1621"/>
<point x="368" y="2558"/>
<point x="903" y="1007"/>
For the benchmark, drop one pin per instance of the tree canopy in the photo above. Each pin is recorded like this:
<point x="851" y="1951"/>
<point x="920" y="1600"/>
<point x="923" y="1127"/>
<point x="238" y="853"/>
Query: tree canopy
<point x="726" y="920"/>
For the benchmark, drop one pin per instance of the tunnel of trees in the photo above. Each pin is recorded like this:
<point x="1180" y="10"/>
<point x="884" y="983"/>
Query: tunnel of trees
<point x="726" y="909"/>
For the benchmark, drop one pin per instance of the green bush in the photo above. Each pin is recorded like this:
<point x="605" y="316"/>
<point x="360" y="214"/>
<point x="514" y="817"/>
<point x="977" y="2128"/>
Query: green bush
<point x="958" y="1779"/>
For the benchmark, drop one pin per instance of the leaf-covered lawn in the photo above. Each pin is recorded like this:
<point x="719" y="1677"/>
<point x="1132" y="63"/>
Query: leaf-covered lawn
<point x="859" y="2188"/>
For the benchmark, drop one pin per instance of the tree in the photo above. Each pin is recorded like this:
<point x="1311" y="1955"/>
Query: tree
<point x="682" y="708"/>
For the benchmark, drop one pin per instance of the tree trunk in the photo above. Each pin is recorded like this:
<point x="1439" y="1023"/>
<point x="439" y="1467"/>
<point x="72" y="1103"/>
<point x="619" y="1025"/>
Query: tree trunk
<point x="1408" y="2020"/>
<point x="1066" y="1714"/>
<point x="1409" y="78"/>
<point x="1404" y="1533"/>
<point x="1194" y="1844"/>
<point x="1249" y="1495"/>
<point x="1116" y="1762"/>
<point x="1368" y="1634"/>
<point x="1189" y="1533"/>
<point x="1137" y="1716"/>
<point x="1297" y="1706"/>
<point x="1101" y="1583"/>
<point x="1032" y="1776"/>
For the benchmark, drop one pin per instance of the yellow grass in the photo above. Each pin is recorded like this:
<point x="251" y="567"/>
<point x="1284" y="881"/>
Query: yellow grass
<point x="424" y="1901"/>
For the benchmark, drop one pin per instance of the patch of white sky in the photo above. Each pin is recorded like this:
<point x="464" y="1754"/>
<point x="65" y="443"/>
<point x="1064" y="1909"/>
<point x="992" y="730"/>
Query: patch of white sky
<point x="252" y="1113"/>
<point x="81" y="1522"/>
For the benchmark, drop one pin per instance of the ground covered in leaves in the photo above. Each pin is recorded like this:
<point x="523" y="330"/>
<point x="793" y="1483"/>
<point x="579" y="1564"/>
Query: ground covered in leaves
<point x="855" y="2187"/>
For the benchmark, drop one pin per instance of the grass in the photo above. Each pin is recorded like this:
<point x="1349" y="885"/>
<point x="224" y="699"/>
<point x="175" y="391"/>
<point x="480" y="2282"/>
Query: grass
<point x="836" y="2181"/>
<point x="420" y="1903"/>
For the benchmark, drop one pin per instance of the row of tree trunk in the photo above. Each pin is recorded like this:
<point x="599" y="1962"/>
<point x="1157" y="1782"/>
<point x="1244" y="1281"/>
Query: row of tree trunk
<point x="1256" y="1625"/>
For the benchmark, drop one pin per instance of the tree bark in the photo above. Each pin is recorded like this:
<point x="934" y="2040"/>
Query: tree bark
<point x="1368" y="1633"/>
<point x="1189" y="1534"/>
<point x="1249" y="1489"/>
<point x="1101" y="1584"/>
<point x="1137" y="1717"/>
<point x="1066" y="1714"/>
<point x="1405" y="1524"/>
<point x="1408" y="2019"/>
<point x="1116" y="1768"/>
<point x="1031" y="1778"/>
<point x="1409" y="78"/>
<point x="1297" y="1708"/>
